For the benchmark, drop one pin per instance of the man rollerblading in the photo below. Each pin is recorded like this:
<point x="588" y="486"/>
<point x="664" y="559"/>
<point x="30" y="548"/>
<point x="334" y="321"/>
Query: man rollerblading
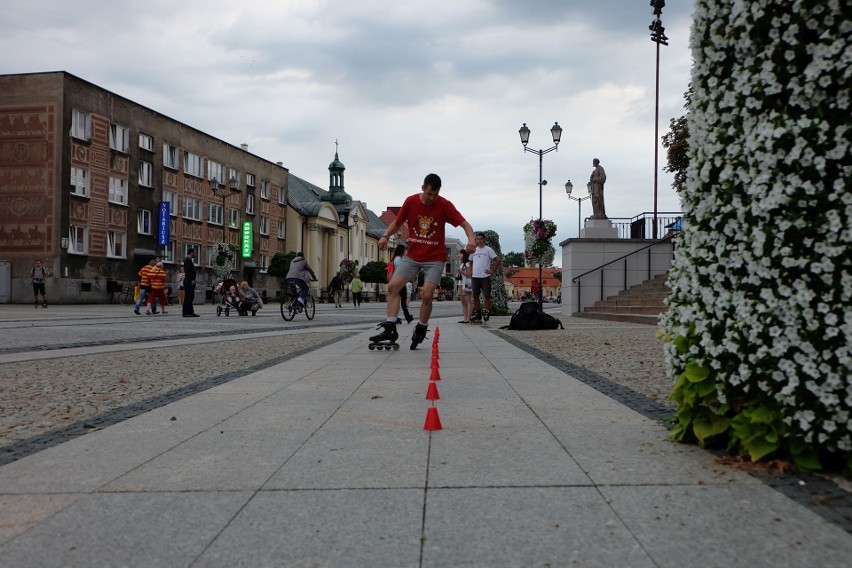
<point x="419" y="335"/>
<point x="386" y="339"/>
<point x="426" y="214"/>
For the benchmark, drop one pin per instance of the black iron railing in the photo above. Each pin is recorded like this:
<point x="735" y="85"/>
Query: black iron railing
<point x="600" y="269"/>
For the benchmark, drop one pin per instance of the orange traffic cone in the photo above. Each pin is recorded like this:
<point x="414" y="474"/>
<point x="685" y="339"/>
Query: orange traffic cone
<point x="435" y="376"/>
<point x="432" y="420"/>
<point x="432" y="391"/>
<point x="435" y="364"/>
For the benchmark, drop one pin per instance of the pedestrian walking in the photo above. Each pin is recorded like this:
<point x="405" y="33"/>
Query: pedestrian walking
<point x="357" y="286"/>
<point x="335" y="290"/>
<point x="189" y="284"/>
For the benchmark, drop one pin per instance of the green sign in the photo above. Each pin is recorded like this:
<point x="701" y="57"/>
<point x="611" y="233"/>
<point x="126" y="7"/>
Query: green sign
<point x="246" y="239"/>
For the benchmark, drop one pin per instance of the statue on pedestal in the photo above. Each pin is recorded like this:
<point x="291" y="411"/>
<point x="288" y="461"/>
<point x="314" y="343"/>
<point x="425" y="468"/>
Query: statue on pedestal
<point x="596" y="190"/>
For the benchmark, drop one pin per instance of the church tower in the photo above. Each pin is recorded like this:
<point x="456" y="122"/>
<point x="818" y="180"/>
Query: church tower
<point x="336" y="193"/>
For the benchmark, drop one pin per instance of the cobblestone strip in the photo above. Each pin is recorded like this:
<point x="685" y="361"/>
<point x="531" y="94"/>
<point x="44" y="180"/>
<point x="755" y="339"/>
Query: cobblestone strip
<point x="48" y="402"/>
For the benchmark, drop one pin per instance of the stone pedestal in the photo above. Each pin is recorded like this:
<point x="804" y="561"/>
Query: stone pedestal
<point x="599" y="229"/>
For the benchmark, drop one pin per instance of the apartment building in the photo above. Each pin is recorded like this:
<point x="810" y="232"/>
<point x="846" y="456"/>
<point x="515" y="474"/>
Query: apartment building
<point x="95" y="185"/>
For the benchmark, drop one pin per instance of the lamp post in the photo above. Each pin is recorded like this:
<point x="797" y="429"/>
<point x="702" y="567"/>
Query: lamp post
<point x="658" y="36"/>
<point x="569" y="187"/>
<point x="556" y="132"/>
<point x="354" y="225"/>
<point x="223" y="192"/>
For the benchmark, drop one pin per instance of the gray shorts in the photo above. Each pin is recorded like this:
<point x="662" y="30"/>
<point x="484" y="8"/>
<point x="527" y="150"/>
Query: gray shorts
<point x="409" y="269"/>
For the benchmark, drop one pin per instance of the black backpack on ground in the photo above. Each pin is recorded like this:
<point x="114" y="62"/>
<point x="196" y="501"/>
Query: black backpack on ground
<point x="528" y="317"/>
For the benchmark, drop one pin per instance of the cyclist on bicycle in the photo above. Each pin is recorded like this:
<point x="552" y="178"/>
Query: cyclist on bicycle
<point x="298" y="275"/>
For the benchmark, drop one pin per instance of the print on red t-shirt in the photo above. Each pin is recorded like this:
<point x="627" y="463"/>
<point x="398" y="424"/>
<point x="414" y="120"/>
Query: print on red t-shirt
<point x="426" y="225"/>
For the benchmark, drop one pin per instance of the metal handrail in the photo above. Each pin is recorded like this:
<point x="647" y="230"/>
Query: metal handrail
<point x="624" y="258"/>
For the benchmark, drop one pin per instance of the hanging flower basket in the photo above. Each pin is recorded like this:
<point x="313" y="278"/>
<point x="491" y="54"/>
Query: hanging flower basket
<point x="537" y="236"/>
<point x="348" y="268"/>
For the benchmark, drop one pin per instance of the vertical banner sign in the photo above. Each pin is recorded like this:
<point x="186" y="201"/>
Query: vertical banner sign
<point x="163" y="225"/>
<point x="246" y="239"/>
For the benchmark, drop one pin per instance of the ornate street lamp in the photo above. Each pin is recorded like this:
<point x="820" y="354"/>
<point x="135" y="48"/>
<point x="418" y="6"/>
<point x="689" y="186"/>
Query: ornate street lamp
<point x="569" y="187"/>
<point x="223" y="192"/>
<point x="658" y="36"/>
<point x="556" y="133"/>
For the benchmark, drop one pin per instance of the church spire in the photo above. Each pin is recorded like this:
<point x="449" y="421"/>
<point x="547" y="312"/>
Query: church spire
<point x="336" y="192"/>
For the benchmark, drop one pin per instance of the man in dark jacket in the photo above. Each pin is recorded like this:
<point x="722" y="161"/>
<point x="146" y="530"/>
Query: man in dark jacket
<point x="336" y="290"/>
<point x="189" y="284"/>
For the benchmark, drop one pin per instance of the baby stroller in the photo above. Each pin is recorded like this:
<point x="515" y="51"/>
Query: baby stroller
<point x="229" y="301"/>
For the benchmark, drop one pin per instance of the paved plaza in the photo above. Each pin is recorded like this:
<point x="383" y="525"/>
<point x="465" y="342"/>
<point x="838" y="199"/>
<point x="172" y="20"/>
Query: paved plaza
<point x="163" y="441"/>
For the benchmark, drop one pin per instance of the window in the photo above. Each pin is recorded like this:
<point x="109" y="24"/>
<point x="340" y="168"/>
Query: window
<point x="341" y="243"/>
<point x="118" y="190"/>
<point x="234" y="174"/>
<point x="192" y="208"/>
<point x="79" y="182"/>
<point x="214" y="213"/>
<point x="250" y="180"/>
<point x="263" y="261"/>
<point x="78" y="239"/>
<point x="250" y="204"/>
<point x="233" y="218"/>
<point x="119" y="137"/>
<point x="264" y="225"/>
<point x="187" y="246"/>
<point x="169" y="252"/>
<point x="143" y="222"/>
<point x="193" y="164"/>
<point x="264" y="189"/>
<point x="170" y="157"/>
<point x="146" y="174"/>
<point x="217" y="171"/>
<point x="282" y="195"/>
<point x="146" y="142"/>
<point x="80" y="125"/>
<point x="116" y="244"/>
<point x="172" y="198"/>
<point x="281" y="231"/>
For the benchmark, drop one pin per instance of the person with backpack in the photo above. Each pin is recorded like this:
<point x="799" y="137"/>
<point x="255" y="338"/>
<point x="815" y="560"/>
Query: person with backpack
<point x="398" y="254"/>
<point x="38" y="274"/>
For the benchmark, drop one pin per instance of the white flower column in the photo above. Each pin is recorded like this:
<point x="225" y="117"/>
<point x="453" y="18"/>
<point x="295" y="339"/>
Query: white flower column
<point x="759" y="326"/>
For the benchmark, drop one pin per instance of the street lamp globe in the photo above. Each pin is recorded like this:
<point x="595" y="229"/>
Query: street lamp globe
<point x="556" y="132"/>
<point x="569" y="187"/>
<point x="524" y="131"/>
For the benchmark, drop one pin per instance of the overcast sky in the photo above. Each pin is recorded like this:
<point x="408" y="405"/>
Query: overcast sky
<point x="407" y="87"/>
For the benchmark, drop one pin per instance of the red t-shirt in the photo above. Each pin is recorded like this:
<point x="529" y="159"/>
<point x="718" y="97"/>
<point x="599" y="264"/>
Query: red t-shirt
<point x="426" y="224"/>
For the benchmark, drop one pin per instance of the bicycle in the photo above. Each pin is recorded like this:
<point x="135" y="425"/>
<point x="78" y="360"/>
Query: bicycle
<point x="290" y="304"/>
<point x="126" y="295"/>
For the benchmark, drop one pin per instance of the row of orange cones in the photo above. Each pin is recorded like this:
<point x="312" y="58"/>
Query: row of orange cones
<point x="433" y="422"/>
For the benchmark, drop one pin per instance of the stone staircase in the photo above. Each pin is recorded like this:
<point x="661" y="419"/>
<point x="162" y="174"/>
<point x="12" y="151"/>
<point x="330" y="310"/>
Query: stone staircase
<point x="642" y="303"/>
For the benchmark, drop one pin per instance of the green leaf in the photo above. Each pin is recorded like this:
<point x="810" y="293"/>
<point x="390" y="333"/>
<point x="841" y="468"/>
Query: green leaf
<point x="758" y="447"/>
<point x="807" y="460"/>
<point x="696" y="373"/>
<point x="710" y="425"/>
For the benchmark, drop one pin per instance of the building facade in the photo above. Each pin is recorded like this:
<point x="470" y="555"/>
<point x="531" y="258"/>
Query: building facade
<point x="95" y="185"/>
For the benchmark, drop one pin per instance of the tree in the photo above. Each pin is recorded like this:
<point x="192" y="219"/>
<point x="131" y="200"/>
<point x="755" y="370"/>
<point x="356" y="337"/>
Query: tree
<point x="280" y="264"/>
<point x="676" y="143"/>
<point x="512" y="259"/>
<point x="374" y="272"/>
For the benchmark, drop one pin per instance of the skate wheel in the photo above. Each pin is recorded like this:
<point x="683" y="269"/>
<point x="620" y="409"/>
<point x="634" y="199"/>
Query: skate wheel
<point x="396" y="346"/>
<point x="372" y="347"/>
<point x="381" y="347"/>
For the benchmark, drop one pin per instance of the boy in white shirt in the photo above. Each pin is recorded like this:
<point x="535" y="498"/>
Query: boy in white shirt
<point x="485" y="261"/>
